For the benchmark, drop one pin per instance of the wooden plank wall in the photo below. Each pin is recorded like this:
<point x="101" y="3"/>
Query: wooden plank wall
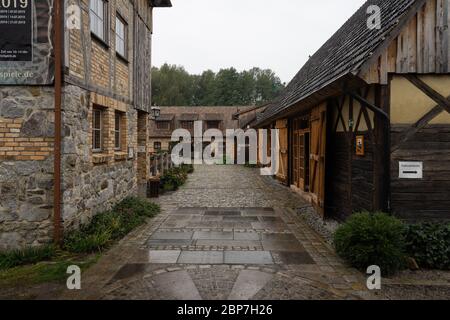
<point x="349" y="185"/>
<point x="429" y="198"/>
<point x="422" y="47"/>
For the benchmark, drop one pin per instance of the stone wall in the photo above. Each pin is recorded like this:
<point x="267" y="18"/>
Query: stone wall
<point x="90" y="187"/>
<point x="26" y="166"/>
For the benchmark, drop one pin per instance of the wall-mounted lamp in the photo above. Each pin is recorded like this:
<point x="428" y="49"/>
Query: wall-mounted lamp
<point x="155" y="113"/>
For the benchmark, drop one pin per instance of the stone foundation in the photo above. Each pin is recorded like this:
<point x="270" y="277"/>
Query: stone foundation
<point x="26" y="166"/>
<point x="26" y="163"/>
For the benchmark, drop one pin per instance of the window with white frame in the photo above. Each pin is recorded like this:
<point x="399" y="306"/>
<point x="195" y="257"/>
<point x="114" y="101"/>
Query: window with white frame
<point x="121" y="36"/>
<point x="98" y="12"/>
<point x="97" y="129"/>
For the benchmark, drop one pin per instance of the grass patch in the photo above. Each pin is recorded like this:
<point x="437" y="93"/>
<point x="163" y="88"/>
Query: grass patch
<point x="21" y="268"/>
<point x="45" y="271"/>
<point x="16" y="258"/>
<point x="107" y="227"/>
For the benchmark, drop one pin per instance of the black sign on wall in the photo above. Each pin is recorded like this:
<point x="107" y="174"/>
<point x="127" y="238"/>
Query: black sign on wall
<point x="26" y="48"/>
<point x="16" y="40"/>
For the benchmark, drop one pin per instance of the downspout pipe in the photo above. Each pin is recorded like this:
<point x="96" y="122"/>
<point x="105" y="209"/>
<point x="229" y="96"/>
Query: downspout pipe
<point x="58" y="49"/>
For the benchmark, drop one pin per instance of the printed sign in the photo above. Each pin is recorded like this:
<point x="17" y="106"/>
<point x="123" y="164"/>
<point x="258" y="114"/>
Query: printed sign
<point x="26" y="48"/>
<point x="411" y="170"/>
<point x="16" y="30"/>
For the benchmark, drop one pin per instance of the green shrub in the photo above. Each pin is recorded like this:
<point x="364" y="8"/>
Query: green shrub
<point x="372" y="239"/>
<point x="429" y="245"/>
<point x="21" y="257"/>
<point x="107" y="227"/>
<point x="173" y="178"/>
<point x="188" y="168"/>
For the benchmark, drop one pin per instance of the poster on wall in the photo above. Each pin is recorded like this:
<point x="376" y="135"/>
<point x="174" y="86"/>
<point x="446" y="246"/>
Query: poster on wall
<point x="26" y="49"/>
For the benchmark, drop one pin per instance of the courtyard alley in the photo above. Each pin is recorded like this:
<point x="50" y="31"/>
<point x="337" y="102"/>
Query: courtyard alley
<point x="229" y="233"/>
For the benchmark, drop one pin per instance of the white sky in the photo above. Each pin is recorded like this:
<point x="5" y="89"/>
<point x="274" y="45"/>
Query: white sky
<point x="275" y="34"/>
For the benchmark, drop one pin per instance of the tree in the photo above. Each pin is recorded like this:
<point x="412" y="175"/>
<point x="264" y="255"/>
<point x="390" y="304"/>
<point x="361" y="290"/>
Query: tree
<point x="174" y="86"/>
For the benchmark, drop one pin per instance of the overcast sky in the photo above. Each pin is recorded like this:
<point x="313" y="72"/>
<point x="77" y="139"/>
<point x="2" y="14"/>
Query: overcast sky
<point x="275" y="34"/>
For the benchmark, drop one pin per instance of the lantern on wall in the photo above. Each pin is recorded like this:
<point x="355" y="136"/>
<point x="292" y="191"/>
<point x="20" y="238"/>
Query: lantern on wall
<point x="155" y="112"/>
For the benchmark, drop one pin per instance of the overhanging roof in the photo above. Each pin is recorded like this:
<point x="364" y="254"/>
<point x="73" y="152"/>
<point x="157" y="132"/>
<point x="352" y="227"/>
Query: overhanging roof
<point x="160" y="3"/>
<point x="165" y="117"/>
<point x="189" y="117"/>
<point x="345" y="53"/>
<point x="213" y="117"/>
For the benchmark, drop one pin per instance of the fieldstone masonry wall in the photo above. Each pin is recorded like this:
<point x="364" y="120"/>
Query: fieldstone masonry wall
<point x="90" y="187"/>
<point x="26" y="166"/>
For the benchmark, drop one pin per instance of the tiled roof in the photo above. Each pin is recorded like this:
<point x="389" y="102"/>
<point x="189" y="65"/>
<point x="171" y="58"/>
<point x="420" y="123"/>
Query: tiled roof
<point x="189" y="117"/>
<point x="165" y="117"/>
<point x="213" y="117"/>
<point x="344" y="53"/>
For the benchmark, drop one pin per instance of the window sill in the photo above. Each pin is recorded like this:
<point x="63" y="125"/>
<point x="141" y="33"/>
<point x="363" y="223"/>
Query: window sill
<point x="120" y="156"/>
<point x="102" y="42"/>
<point x="100" y="158"/>
<point x="122" y="58"/>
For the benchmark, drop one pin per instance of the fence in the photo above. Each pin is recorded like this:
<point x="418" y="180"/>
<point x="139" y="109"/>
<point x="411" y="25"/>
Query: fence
<point x="160" y="163"/>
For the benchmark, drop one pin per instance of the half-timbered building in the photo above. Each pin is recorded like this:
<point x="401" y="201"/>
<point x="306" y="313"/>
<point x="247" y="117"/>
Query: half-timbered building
<point x="365" y="124"/>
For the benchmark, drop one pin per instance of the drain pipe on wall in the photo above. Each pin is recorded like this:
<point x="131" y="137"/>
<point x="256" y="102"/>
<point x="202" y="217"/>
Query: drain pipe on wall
<point x="57" y="232"/>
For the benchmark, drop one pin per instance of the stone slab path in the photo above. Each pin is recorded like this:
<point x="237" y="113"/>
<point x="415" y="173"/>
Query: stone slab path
<point x="229" y="233"/>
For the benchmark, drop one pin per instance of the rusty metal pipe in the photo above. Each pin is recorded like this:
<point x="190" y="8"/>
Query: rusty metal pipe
<point x="57" y="232"/>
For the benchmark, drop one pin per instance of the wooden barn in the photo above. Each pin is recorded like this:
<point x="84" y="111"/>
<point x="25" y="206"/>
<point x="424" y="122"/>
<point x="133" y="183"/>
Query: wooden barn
<point x="365" y="124"/>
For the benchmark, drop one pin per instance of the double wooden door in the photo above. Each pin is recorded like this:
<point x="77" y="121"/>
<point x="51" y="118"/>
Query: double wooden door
<point x="308" y="155"/>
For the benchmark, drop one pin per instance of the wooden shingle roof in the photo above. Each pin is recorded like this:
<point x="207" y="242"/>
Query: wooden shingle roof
<point x="344" y="53"/>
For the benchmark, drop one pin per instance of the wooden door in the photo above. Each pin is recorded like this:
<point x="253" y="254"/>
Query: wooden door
<point x="295" y="158"/>
<point x="317" y="157"/>
<point x="301" y="162"/>
<point x="281" y="125"/>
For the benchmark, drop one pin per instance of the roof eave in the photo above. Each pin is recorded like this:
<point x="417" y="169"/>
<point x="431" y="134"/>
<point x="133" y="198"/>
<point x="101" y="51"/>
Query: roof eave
<point x="161" y="3"/>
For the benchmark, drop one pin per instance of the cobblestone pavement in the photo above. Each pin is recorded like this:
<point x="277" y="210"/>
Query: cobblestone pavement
<point x="229" y="233"/>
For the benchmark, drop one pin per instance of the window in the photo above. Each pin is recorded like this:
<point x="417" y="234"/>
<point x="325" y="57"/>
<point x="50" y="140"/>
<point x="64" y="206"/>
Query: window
<point x="163" y="125"/>
<point x="213" y="124"/>
<point x="98" y="12"/>
<point x="121" y="37"/>
<point x="97" y="130"/>
<point x="157" y="146"/>
<point x="189" y="125"/>
<point x="117" y="131"/>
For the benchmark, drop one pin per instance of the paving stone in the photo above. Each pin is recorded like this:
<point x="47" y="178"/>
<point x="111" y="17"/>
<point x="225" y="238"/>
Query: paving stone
<point x="239" y="219"/>
<point x="247" y="236"/>
<point x="177" y="285"/>
<point x="271" y="219"/>
<point x="292" y="258"/>
<point x="229" y="243"/>
<point x="201" y="257"/>
<point x="172" y="236"/>
<point x="169" y="242"/>
<point x="213" y="235"/>
<point x="163" y="256"/>
<point x="275" y="245"/>
<point x="248" y="284"/>
<point x="278" y="237"/>
<point x="247" y="257"/>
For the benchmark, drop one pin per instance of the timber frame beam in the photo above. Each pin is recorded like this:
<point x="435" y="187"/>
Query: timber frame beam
<point x="443" y="104"/>
<point x="430" y="92"/>
<point x="369" y="105"/>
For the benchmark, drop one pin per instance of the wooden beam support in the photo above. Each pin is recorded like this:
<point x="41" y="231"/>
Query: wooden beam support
<point x="410" y="132"/>
<point x="368" y="104"/>
<point x="430" y="92"/>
